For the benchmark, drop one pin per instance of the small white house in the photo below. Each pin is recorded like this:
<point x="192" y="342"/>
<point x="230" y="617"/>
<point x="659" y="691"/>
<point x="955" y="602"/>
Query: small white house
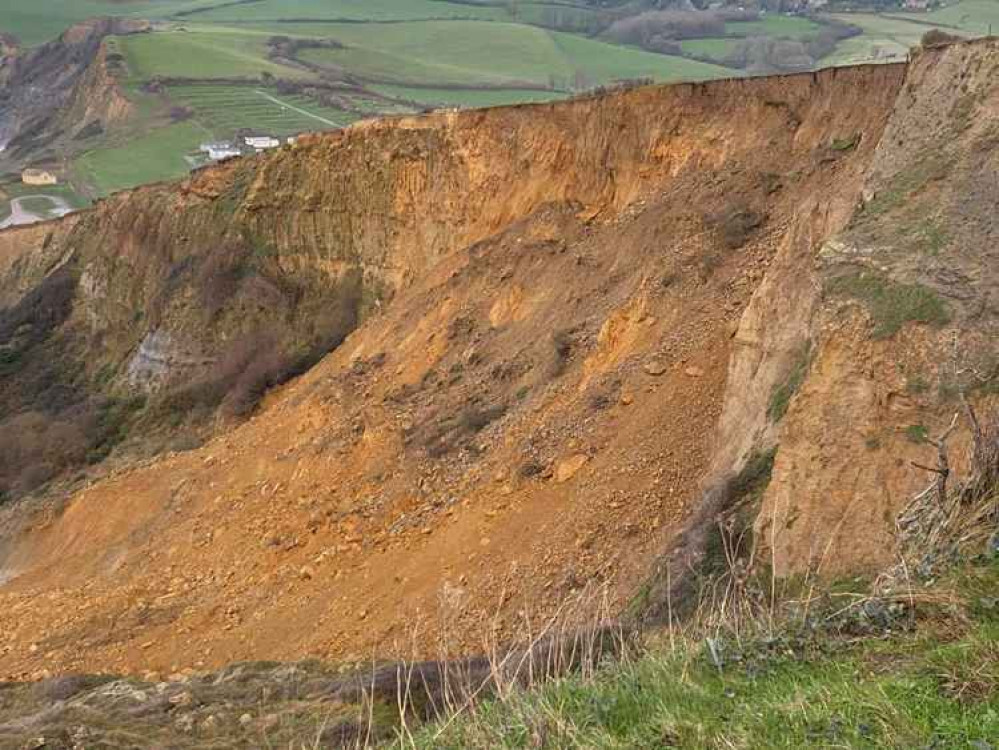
<point x="221" y="150"/>
<point x="218" y="154"/>
<point x="261" y="142"/>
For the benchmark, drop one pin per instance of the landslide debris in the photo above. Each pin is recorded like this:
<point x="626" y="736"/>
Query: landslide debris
<point x="531" y="390"/>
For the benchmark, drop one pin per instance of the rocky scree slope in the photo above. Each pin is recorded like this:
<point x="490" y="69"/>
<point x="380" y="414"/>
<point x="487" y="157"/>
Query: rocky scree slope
<point x="555" y="330"/>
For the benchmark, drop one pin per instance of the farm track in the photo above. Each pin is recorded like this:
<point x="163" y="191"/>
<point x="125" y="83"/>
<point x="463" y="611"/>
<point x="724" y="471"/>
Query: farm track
<point x="20" y="215"/>
<point x="299" y="110"/>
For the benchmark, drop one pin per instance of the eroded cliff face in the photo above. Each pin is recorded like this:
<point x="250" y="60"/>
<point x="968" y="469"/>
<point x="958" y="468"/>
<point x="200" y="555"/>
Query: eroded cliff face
<point x="348" y="219"/>
<point x="908" y="322"/>
<point x="563" y="322"/>
<point x="60" y="92"/>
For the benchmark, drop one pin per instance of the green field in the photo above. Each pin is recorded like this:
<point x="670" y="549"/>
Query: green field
<point x="350" y="10"/>
<point x="398" y="56"/>
<point x="715" y="48"/>
<point x="221" y="109"/>
<point x="773" y="25"/>
<point x="466" y="97"/>
<point x="975" y="17"/>
<point x="154" y="156"/>
<point x="220" y="52"/>
<point x="890" y="35"/>
<point x="473" y="53"/>
<point x="884" y="38"/>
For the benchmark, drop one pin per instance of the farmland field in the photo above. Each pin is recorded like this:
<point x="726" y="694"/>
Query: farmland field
<point x="154" y="156"/>
<point x="472" y="53"/>
<point x="974" y="17"/>
<point x="454" y="52"/>
<point x="212" y="68"/>
<point x="773" y="25"/>
<point x="716" y="48"/>
<point x="883" y="38"/>
<point x="348" y="10"/>
<point x="466" y="97"/>
<point x="221" y="109"/>
<point x="37" y="21"/>
<point x="218" y="53"/>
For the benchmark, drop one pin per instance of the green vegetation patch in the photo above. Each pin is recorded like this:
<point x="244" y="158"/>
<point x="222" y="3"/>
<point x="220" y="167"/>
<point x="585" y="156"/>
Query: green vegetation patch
<point x="891" y="305"/>
<point x="928" y="236"/>
<point x="155" y="156"/>
<point x="222" y="109"/>
<point x="934" y="686"/>
<point x="349" y="10"/>
<point x="682" y="700"/>
<point x="432" y="97"/>
<point x="717" y="48"/>
<point x="780" y="399"/>
<point x="845" y="144"/>
<point x="603" y="63"/>
<point x="213" y="52"/>
<point x="905" y="185"/>
<point x="471" y="53"/>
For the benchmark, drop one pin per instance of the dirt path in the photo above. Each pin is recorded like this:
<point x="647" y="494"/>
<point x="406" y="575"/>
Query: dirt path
<point x="20" y="215"/>
<point x="299" y="110"/>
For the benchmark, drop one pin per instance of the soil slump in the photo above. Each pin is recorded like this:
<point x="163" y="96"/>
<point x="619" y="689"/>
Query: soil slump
<point x="574" y="318"/>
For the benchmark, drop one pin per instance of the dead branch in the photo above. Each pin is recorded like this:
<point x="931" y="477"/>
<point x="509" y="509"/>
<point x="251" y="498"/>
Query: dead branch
<point x="934" y="469"/>
<point x="943" y="464"/>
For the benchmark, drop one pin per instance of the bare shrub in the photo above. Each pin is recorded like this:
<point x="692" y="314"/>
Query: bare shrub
<point x="35" y="447"/>
<point x="735" y="224"/>
<point x="266" y="368"/>
<point x="218" y="275"/>
<point x="562" y="345"/>
<point x="452" y="432"/>
<point x="938" y="38"/>
<point x="766" y="54"/>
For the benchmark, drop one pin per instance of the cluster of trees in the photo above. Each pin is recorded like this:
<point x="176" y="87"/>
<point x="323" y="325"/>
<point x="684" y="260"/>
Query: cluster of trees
<point x="661" y="31"/>
<point x="769" y="54"/>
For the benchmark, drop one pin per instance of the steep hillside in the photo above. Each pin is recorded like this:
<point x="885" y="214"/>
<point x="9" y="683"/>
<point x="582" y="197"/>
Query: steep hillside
<point x="60" y="92"/>
<point x="556" y="332"/>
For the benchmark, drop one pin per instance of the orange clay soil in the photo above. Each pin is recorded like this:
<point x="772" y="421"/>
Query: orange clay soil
<point x="533" y="414"/>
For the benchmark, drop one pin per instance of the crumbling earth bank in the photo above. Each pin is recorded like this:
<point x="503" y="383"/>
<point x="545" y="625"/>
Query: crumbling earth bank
<point x="571" y="318"/>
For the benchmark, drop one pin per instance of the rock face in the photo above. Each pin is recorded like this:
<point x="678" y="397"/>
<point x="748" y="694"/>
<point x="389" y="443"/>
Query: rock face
<point x="492" y="287"/>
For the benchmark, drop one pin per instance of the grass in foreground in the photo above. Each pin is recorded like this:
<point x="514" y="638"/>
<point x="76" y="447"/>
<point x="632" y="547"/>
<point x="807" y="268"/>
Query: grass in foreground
<point x="933" y="687"/>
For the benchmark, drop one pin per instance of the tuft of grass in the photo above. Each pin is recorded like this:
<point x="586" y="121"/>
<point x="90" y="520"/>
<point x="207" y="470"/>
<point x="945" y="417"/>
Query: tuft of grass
<point x="780" y="399"/>
<point x="891" y="305"/>
<point x="755" y="475"/>
<point x="916" y="433"/>
<point x="906" y="691"/>
<point x="845" y="144"/>
<point x="904" y="185"/>
<point x="928" y="236"/>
